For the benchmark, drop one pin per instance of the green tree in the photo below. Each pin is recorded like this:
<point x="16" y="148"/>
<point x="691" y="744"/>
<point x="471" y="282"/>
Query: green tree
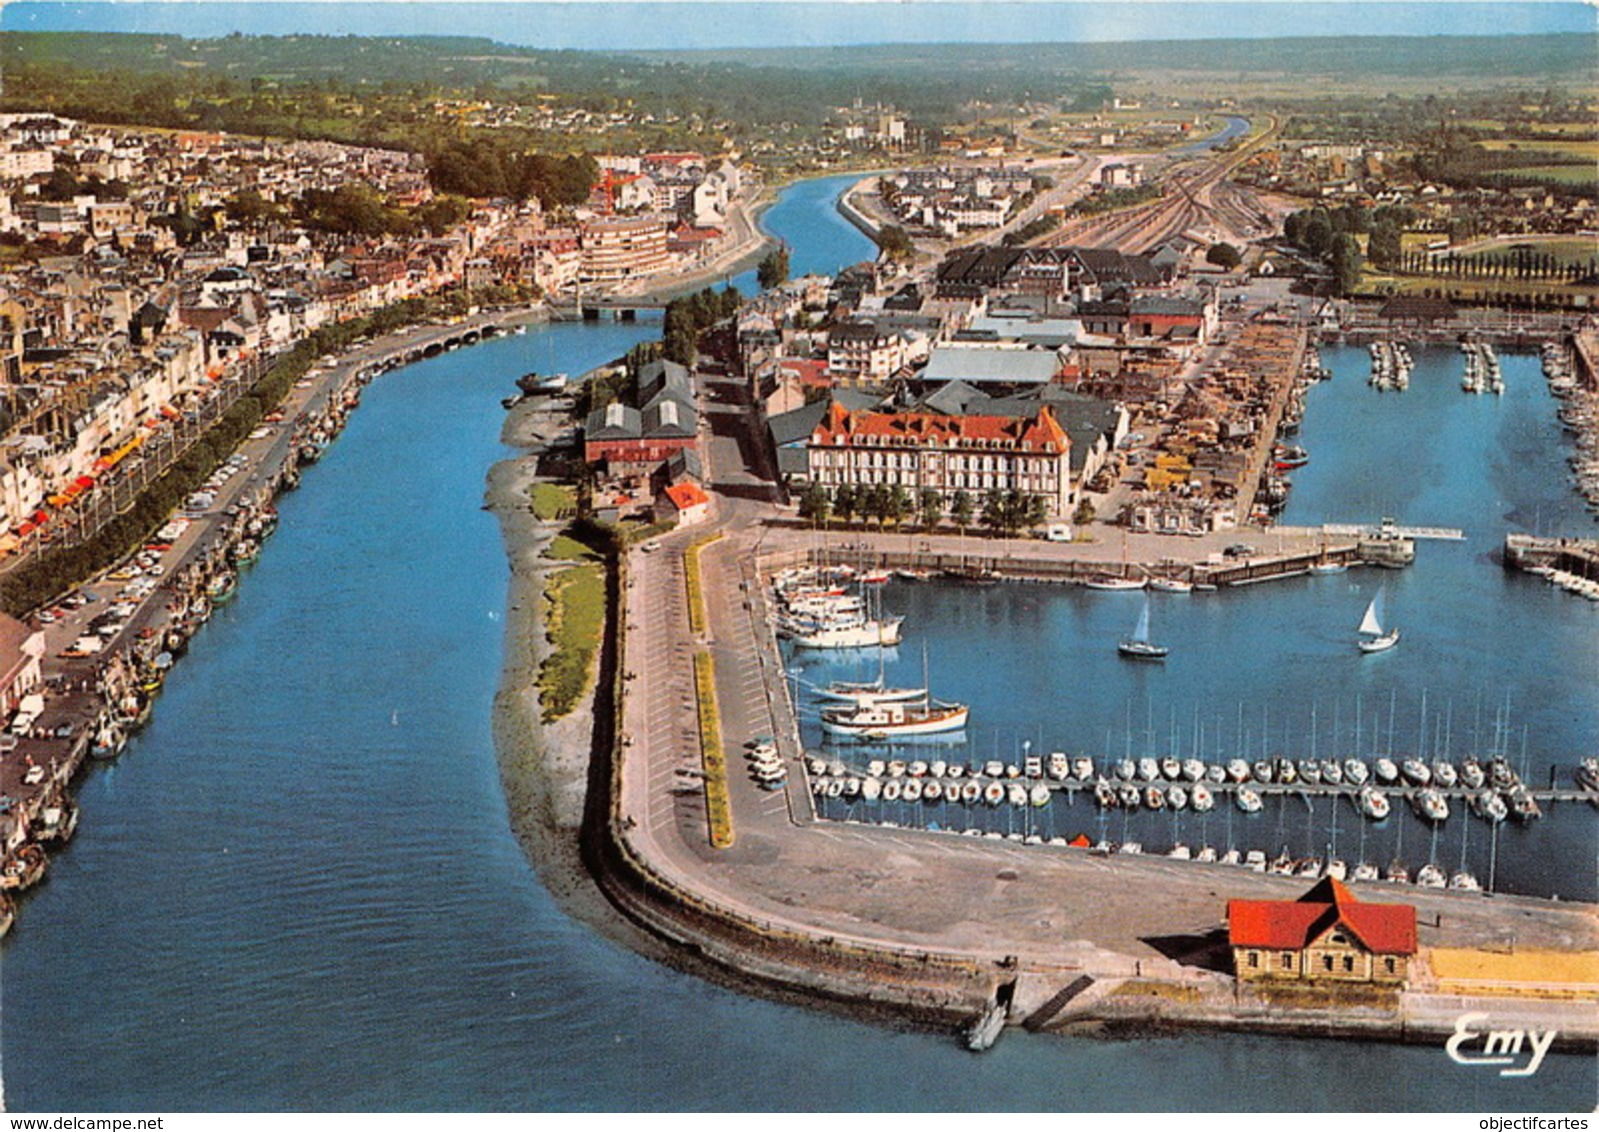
<point x="898" y="506"/>
<point x="961" y="510"/>
<point x="874" y="503"/>
<point x="773" y="269"/>
<point x="815" y="505"/>
<point x="929" y="508"/>
<point x="846" y="501"/>
<point x="1224" y="255"/>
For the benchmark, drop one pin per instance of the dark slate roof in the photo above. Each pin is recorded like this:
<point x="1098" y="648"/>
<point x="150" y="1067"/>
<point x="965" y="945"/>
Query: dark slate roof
<point x="663" y="374"/>
<point x="615" y="421"/>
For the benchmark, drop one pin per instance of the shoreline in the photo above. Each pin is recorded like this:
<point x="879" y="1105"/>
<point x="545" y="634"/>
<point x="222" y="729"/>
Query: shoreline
<point x="107" y="696"/>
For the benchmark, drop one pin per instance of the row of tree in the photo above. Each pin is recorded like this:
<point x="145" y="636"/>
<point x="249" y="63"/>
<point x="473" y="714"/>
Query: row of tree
<point x="1003" y="512"/>
<point x="1520" y="264"/>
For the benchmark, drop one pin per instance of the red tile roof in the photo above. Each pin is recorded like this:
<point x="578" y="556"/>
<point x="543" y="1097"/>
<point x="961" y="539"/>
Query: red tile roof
<point x="1042" y="432"/>
<point x="1292" y="925"/>
<point x="686" y="495"/>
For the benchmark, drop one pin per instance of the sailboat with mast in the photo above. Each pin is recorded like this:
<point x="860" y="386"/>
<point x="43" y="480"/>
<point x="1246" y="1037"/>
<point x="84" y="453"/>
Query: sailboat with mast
<point x="862" y="693"/>
<point x="1373" y="637"/>
<point x="1139" y="646"/>
<point x="888" y="720"/>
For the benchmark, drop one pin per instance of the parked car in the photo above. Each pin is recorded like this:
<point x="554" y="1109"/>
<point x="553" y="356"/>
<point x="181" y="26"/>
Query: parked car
<point x="1239" y="550"/>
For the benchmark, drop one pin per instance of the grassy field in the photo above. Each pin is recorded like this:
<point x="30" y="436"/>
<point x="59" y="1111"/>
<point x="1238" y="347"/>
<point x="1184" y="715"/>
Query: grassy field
<point x="1565" y="249"/>
<point x="553" y="501"/>
<point x="718" y="807"/>
<point x="1555" y="294"/>
<point x="1562" y="174"/>
<point x="565" y="548"/>
<point x="574" y="616"/>
<point x="1535" y="149"/>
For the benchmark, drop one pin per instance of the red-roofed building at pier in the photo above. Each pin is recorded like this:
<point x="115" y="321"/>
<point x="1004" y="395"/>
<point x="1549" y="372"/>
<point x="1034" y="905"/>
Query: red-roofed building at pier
<point x="1325" y="936"/>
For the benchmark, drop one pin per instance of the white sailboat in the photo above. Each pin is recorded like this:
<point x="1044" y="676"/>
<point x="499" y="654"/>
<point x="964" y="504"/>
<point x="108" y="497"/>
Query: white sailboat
<point x="1372" y="636"/>
<point x="1138" y="646"/>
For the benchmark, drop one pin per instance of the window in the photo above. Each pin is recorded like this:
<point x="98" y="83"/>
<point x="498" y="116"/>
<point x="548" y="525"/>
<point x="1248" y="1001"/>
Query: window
<point x="1254" y="959"/>
<point x="1286" y="961"/>
<point x="1349" y="964"/>
<point x="1326" y="963"/>
<point x="1388" y="965"/>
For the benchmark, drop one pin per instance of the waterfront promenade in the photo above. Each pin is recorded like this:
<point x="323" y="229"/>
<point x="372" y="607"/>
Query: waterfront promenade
<point x="795" y="902"/>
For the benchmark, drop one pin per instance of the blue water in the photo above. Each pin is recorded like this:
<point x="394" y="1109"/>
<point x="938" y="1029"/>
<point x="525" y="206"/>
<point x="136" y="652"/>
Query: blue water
<point x="298" y="889"/>
<point x="609" y="27"/>
<point x="1505" y="662"/>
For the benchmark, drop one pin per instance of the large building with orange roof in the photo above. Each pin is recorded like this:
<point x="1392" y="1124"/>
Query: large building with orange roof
<point x="948" y="454"/>
<point x="1325" y="936"/>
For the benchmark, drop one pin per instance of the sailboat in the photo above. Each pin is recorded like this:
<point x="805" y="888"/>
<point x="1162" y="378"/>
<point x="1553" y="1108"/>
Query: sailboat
<point x="880" y="720"/>
<point x="864" y="692"/>
<point x="1138" y="646"/>
<point x="1372" y="636"/>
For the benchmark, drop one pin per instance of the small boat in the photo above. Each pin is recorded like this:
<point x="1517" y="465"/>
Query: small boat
<point x="1464" y="882"/>
<point x="917" y="769"/>
<point x="1285" y="771"/>
<point x="1016" y="794"/>
<point x="1329" y="567"/>
<point x="1500" y="774"/>
<point x="1201" y="799"/>
<point x="886" y="721"/>
<point x="1082" y="768"/>
<point x="912" y="790"/>
<point x="1471" y="773"/>
<point x="1523" y="805"/>
<point x="1126" y="768"/>
<point x="971" y="791"/>
<point x="1148" y="769"/>
<point x="1254" y="860"/>
<point x="994" y="793"/>
<point x="1309" y="868"/>
<point x="1171" y="585"/>
<point x="852" y="787"/>
<point x="1110" y="582"/>
<point x="1129" y="796"/>
<point x="1039" y="795"/>
<point x="1430" y="804"/>
<point x="1416" y="771"/>
<point x="1397" y="873"/>
<point x="1443" y="773"/>
<point x="1262" y="770"/>
<point x="1138" y="646"/>
<point x="1331" y="772"/>
<point x="1237" y="770"/>
<point x="1587" y="774"/>
<point x="1309" y="772"/>
<point x="1206" y="855"/>
<point x="845" y="691"/>
<point x="1155" y="798"/>
<point x="1337" y="869"/>
<point x="892" y="790"/>
<point x="1248" y="801"/>
<point x="1489" y="806"/>
<point x="1431" y="876"/>
<point x="1130" y="848"/>
<point x="1365" y="871"/>
<point x="1373" y="803"/>
<point x="1387" y="772"/>
<point x="871" y="789"/>
<point x="1283" y="864"/>
<point x="852" y="634"/>
<point x="1356" y="772"/>
<point x="1058" y="767"/>
<point x="1177" y="797"/>
<point x="1180" y="852"/>
<point x="24" y="869"/>
<point x="1373" y="638"/>
<point x="1104" y="795"/>
<point x="1193" y="770"/>
<point x="1171" y="768"/>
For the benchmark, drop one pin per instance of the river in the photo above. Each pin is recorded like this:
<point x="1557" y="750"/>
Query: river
<point x="297" y="889"/>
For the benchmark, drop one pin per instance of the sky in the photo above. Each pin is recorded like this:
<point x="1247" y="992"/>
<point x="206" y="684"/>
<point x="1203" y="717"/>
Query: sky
<point x="683" y="24"/>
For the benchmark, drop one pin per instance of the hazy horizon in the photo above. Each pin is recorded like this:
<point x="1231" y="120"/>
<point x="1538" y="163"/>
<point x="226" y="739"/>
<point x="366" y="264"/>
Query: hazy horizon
<point x="686" y="25"/>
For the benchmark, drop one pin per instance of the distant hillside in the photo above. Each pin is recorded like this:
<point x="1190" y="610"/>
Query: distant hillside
<point x="1539" y="58"/>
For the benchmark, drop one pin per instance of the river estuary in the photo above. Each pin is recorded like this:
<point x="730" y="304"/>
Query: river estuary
<point x="298" y="888"/>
